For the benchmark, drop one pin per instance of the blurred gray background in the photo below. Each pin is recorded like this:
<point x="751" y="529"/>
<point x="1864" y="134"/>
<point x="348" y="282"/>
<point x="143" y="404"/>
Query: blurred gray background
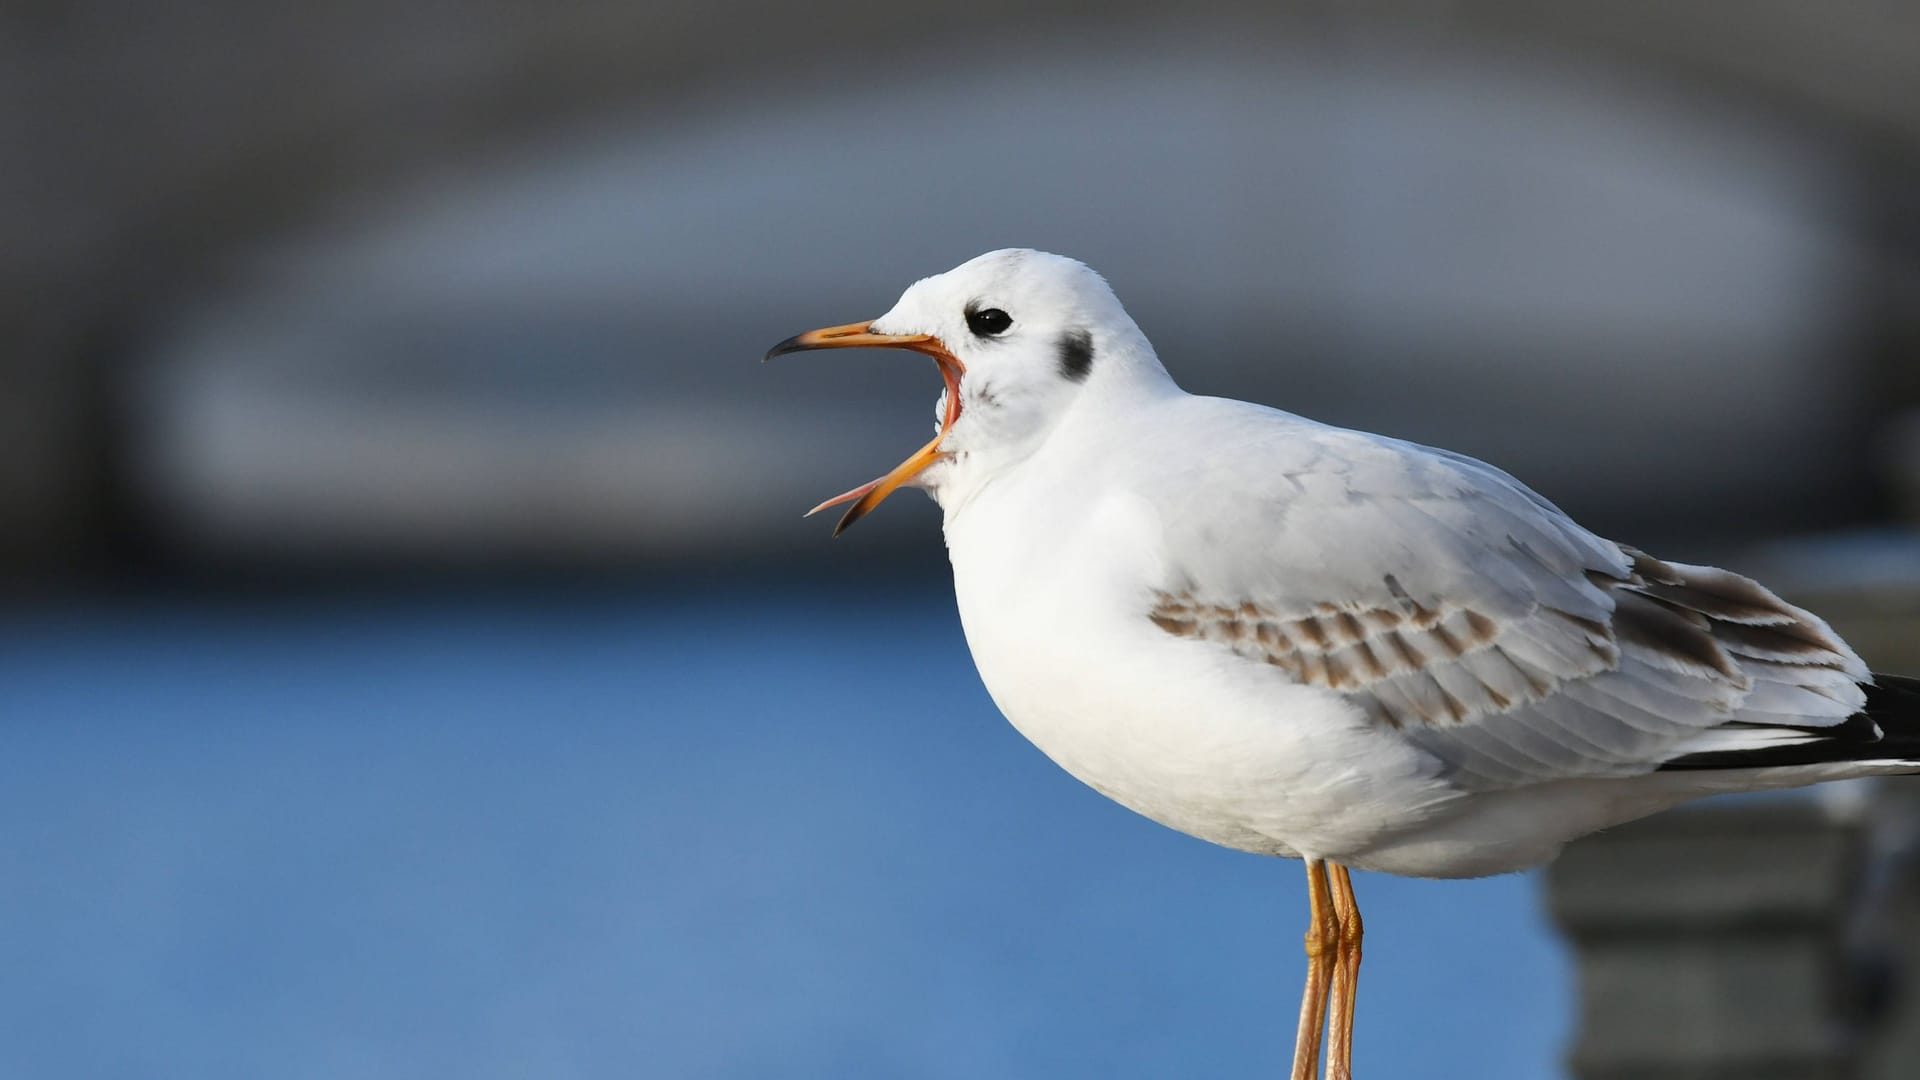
<point x="414" y="659"/>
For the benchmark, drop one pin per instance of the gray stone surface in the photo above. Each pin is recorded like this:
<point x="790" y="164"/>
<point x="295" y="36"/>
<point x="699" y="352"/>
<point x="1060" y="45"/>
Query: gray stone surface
<point x="1717" y="869"/>
<point x="1888" y="939"/>
<point x="1716" y="1005"/>
<point x="1709" y="943"/>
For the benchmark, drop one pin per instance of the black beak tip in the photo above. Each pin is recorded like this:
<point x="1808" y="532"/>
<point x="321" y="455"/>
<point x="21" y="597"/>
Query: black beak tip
<point x="790" y="345"/>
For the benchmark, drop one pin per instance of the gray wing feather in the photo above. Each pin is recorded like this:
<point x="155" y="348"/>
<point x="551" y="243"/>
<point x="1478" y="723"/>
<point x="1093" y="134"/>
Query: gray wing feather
<point x="1458" y="607"/>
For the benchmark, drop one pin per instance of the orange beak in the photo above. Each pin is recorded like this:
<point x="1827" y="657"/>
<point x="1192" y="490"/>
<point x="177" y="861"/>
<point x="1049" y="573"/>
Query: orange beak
<point x="854" y="335"/>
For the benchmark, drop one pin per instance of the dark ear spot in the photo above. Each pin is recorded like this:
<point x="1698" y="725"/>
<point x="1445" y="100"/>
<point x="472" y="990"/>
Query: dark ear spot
<point x="1076" y="354"/>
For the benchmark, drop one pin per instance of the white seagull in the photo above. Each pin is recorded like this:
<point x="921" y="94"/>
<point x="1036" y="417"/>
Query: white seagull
<point x="1327" y="645"/>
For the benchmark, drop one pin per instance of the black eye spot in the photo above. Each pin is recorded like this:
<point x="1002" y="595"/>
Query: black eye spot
<point x="988" y="322"/>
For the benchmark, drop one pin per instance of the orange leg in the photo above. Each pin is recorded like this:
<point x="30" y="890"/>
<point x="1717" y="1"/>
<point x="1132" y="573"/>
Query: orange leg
<point x="1346" y="975"/>
<point x="1323" y="942"/>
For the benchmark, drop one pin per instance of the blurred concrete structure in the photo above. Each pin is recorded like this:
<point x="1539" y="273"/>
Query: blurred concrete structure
<point x="1776" y="939"/>
<point x="152" y="152"/>
<point x="1891" y="931"/>
<point x="1711" y="945"/>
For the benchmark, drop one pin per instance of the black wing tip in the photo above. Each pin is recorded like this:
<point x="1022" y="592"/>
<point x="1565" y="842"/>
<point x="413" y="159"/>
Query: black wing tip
<point x="1886" y="730"/>
<point x="1896" y="697"/>
<point x="1819" y="752"/>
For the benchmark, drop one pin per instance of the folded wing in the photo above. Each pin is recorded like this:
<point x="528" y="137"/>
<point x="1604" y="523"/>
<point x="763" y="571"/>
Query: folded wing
<point x="1457" y="607"/>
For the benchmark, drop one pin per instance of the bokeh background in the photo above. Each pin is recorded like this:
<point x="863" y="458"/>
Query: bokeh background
<point x="414" y="663"/>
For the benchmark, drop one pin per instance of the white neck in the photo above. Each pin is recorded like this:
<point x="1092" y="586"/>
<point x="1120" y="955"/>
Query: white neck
<point x="995" y="437"/>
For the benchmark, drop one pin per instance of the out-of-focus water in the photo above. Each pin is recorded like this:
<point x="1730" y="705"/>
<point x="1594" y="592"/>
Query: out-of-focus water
<point x="754" y="835"/>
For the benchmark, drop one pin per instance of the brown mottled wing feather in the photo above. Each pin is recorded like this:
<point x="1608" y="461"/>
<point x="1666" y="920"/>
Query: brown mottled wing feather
<point x="1460" y="609"/>
<point x="1686" y="652"/>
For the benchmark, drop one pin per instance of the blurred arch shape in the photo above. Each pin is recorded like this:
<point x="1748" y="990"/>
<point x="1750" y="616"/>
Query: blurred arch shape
<point x="1638" y="302"/>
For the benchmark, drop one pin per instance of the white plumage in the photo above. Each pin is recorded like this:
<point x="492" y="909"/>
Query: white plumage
<point x="1306" y="641"/>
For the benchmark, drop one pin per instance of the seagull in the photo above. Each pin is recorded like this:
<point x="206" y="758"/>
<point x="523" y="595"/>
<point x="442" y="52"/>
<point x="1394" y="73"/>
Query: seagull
<point x="1322" y="644"/>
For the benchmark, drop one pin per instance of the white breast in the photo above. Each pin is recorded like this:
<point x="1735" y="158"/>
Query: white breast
<point x="1053" y="593"/>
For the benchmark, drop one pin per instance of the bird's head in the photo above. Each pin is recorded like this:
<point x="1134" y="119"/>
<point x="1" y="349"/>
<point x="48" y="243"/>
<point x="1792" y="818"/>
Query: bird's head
<point x="1019" y="337"/>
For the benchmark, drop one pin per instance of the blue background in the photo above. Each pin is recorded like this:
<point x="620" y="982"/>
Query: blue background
<point x="759" y="833"/>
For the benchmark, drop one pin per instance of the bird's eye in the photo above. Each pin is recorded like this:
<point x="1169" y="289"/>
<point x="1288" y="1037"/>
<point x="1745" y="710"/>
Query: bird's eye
<point x="987" y="322"/>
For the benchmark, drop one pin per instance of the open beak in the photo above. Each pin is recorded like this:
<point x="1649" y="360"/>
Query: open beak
<point x="854" y="335"/>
